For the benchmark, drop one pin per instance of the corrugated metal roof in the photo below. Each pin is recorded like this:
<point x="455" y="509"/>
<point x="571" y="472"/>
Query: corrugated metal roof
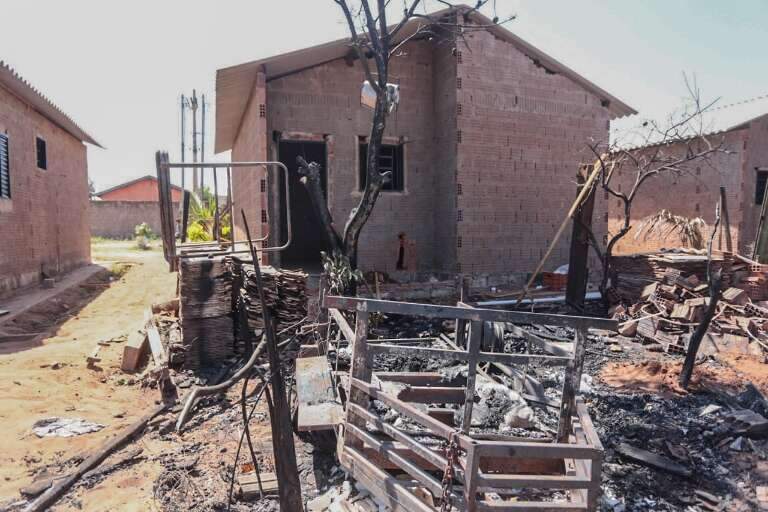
<point x="722" y="118"/>
<point x="30" y="95"/>
<point x="234" y="84"/>
<point x="131" y="182"/>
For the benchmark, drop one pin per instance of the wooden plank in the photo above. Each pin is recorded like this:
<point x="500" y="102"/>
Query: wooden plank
<point x="344" y="326"/>
<point x="155" y="343"/>
<point x="384" y="486"/>
<point x="318" y="407"/>
<point x="522" y="449"/>
<point x="501" y="483"/>
<point x="249" y="485"/>
<point x="530" y="506"/>
<point x="571" y="385"/>
<point x="653" y="460"/>
<point x="460" y="355"/>
<point x="587" y="425"/>
<point x="447" y="312"/>
<point x="436" y="427"/>
<point x="473" y="350"/>
<point x="412" y="378"/>
<point x="431" y="483"/>
<point x="576" y="288"/>
<point x="134" y="351"/>
<point x="433" y="395"/>
<point x="360" y="371"/>
<point x="434" y="458"/>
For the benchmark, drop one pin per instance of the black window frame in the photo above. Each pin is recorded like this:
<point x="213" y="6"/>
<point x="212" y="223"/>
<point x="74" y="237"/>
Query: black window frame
<point x="761" y="179"/>
<point x="41" y="153"/>
<point x="391" y="158"/>
<point x="5" y="167"/>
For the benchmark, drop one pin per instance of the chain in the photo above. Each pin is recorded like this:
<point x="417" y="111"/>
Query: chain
<point x="451" y="458"/>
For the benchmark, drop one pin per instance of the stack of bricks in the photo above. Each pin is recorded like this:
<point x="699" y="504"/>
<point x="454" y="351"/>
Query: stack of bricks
<point x="756" y="284"/>
<point x="205" y="310"/>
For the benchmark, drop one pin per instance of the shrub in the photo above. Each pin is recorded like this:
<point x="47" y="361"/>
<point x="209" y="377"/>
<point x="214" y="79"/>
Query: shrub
<point x="196" y="232"/>
<point x="143" y="235"/>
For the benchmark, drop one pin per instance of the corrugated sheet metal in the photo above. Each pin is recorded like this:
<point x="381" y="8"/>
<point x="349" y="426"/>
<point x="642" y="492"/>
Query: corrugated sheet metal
<point x="27" y="93"/>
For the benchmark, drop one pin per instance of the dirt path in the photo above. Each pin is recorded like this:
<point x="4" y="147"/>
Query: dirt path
<point x="31" y="389"/>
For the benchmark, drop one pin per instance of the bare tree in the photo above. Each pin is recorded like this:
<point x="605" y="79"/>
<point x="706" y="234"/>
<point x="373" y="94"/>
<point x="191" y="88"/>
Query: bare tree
<point x="671" y="148"/>
<point x="375" y="44"/>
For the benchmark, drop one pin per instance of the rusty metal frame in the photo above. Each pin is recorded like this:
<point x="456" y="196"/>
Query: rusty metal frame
<point x="366" y="454"/>
<point x="192" y="249"/>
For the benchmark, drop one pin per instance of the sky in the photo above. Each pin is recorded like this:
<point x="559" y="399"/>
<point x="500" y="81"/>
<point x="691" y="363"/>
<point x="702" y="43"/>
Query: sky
<point x="119" y="68"/>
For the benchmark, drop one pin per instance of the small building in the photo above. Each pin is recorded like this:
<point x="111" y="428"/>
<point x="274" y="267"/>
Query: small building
<point x="43" y="186"/>
<point x="696" y="191"/>
<point x="139" y="189"/>
<point x="484" y="148"/>
<point x="116" y="211"/>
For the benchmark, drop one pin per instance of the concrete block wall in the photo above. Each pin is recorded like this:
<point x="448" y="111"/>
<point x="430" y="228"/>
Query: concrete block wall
<point x="118" y="219"/>
<point x="522" y="133"/>
<point x="45" y="222"/>
<point x="444" y="80"/>
<point x="755" y="151"/>
<point x="693" y="193"/>
<point x="325" y="100"/>
<point x="251" y="145"/>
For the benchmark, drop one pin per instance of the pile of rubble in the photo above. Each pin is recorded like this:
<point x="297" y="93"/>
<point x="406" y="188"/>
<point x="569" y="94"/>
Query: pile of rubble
<point x="661" y="298"/>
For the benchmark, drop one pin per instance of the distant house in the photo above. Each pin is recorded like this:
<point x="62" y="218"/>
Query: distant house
<point x="695" y="192"/>
<point x="484" y="148"/>
<point x="43" y="186"/>
<point x="140" y="189"/>
<point x="116" y="211"/>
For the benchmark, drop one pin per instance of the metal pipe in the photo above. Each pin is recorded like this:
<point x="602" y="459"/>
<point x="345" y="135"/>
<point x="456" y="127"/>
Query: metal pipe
<point x="231" y="209"/>
<point x="216" y="226"/>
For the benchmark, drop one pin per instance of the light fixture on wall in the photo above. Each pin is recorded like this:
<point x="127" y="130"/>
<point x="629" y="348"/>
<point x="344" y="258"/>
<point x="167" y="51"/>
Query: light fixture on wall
<point x="368" y="96"/>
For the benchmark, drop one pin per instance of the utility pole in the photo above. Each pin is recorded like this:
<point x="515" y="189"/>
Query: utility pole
<point x="183" y="128"/>
<point x="195" y="180"/>
<point x="202" y="143"/>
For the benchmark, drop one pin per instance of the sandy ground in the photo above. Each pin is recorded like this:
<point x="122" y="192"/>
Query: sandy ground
<point x="30" y="389"/>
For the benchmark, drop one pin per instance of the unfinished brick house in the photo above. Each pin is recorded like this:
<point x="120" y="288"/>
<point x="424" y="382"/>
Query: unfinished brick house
<point x="694" y="193"/>
<point x="484" y="148"/>
<point x="43" y="186"/>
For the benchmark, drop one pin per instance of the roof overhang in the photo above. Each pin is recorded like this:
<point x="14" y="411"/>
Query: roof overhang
<point x="234" y="84"/>
<point x="22" y="89"/>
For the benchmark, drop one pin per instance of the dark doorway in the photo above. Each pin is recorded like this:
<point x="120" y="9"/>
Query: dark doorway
<point x="308" y="234"/>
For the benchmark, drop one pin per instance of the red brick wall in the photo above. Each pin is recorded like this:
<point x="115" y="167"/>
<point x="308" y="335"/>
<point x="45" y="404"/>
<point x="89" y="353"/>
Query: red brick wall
<point x="523" y="133"/>
<point x="45" y="223"/>
<point x="144" y="190"/>
<point x="693" y="193"/>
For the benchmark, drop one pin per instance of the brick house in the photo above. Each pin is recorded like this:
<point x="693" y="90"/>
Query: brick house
<point x="43" y="186"/>
<point x="139" y="189"/>
<point x="484" y="147"/>
<point x="116" y="211"/>
<point x="694" y="193"/>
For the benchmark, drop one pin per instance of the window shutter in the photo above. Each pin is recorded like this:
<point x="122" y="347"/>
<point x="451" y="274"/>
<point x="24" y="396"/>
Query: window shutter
<point x="5" y="168"/>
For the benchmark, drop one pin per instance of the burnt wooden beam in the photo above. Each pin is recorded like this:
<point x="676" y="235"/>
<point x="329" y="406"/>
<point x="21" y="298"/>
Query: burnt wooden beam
<point x="461" y="355"/>
<point x="576" y="287"/>
<point x="571" y="384"/>
<point x="447" y="312"/>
